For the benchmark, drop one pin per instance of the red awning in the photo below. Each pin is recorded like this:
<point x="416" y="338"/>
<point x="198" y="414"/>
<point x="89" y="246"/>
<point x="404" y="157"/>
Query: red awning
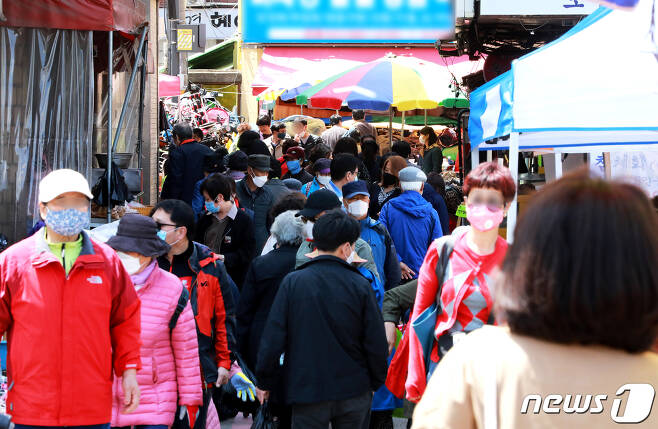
<point x="278" y="63"/>
<point x="101" y="15"/>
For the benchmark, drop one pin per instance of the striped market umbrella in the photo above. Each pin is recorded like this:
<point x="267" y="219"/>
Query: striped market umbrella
<point x="405" y="83"/>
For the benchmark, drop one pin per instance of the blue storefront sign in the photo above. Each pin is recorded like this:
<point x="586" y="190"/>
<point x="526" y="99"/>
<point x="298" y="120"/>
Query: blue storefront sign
<point x="347" y="21"/>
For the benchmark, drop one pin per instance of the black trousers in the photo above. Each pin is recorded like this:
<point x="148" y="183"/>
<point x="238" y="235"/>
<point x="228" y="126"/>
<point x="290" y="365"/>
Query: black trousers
<point x="353" y="413"/>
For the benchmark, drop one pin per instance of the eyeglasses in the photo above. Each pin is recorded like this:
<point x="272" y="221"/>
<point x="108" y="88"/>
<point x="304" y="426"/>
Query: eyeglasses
<point x="160" y="225"/>
<point x="492" y="203"/>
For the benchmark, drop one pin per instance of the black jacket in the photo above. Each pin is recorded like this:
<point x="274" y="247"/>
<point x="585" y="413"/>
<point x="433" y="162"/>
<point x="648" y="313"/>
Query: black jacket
<point x="327" y="322"/>
<point x="439" y="204"/>
<point x="375" y="207"/>
<point x="238" y="244"/>
<point x="258" y="292"/>
<point x="311" y="142"/>
<point x="184" y="169"/>
<point x="207" y="277"/>
<point x="303" y="176"/>
<point x="433" y="160"/>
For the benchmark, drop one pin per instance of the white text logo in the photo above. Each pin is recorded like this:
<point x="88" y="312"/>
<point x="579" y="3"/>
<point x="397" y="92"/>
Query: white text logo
<point x="638" y="403"/>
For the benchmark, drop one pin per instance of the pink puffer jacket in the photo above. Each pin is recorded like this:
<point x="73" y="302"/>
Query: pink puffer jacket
<point x="170" y="364"/>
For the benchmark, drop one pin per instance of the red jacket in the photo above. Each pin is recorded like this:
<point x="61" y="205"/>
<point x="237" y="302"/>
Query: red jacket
<point x="65" y="335"/>
<point x="212" y="302"/>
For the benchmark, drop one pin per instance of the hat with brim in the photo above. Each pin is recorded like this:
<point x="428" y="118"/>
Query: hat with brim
<point x="322" y="166"/>
<point x="352" y="189"/>
<point x="260" y="162"/>
<point x="412" y="174"/>
<point x="293" y="153"/>
<point x="318" y="202"/>
<point x="137" y="233"/>
<point x="60" y="182"/>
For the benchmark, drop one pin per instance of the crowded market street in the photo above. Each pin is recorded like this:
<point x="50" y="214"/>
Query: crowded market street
<point x="313" y="214"/>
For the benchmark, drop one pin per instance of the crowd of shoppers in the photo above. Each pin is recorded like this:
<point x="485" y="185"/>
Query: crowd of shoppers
<point x="322" y="278"/>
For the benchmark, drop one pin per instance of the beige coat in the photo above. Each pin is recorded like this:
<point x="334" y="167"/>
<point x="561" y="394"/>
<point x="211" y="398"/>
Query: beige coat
<point x="455" y="395"/>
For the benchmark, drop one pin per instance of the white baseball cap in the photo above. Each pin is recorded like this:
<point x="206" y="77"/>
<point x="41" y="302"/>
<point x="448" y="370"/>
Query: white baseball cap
<point x="59" y="182"/>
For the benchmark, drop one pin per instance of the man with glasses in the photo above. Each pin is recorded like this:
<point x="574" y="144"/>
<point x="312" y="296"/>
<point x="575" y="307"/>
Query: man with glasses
<point x="212" y="293"/>
<point x="72" y="316"/>
<point x="344" y="169"/>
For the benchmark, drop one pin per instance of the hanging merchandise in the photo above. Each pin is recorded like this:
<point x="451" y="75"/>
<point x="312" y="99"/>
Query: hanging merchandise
<point x="120" y="193"/>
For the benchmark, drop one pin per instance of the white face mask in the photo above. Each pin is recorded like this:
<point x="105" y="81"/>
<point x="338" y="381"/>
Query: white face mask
<point x="350" y="258"/>
<point x="259" y="181"/>
<point x="130" y="263"/>
<point x="422" y="139"/>
<point x="308" y="230"/>
<point x="358" y="208"/>
<point x="324" y="180"/>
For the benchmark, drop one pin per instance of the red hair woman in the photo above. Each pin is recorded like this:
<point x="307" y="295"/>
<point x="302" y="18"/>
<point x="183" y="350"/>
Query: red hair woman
<point x="465" y="261"/>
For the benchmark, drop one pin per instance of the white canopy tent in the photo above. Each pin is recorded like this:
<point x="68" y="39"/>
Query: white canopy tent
<point x="593" y="89"/>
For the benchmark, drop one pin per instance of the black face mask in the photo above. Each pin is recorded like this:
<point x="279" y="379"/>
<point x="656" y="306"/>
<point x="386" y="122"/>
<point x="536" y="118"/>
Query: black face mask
<point x="281" y="136"/>
<point x="389" y="180"/>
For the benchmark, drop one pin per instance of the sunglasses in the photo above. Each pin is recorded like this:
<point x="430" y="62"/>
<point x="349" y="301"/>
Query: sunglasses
<point x="160" y="225"/>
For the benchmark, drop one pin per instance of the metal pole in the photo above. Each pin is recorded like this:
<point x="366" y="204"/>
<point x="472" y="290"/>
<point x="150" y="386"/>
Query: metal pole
<point x="558" y="165"/>
<point x="130" y="86"/>
<point x="140" y="123"/>
<point x="390" y="126"/>
<point x="110" y="72"/>
<point x="174" y="57"/>
<point x="514" y="168"/>
<point x="425" y="112"/>
<point x="460" y="143"/>
<point x="402" y="129"/>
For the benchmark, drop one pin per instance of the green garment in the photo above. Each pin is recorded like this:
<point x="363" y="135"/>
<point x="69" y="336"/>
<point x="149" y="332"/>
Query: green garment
<point x="398" y="300"/>
<point x="66" y="253"/>
<point x="433" y="160"/>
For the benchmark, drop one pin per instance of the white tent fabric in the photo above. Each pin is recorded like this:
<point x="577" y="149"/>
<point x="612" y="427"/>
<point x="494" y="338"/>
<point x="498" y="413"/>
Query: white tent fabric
<point x="593" y="89"/>
<point x="600" y="76"/>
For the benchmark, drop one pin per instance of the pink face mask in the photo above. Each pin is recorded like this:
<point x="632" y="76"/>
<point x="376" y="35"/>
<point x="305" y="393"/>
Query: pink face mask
<point x="484" y="218"/>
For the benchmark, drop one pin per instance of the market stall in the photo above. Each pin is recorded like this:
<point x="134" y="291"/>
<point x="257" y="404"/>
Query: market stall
<point x="50" y="87"/>
<point x="572" y="96"/>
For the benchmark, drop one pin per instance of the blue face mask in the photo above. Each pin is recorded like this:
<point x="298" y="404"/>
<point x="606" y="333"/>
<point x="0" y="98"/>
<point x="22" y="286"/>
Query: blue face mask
<point x="294" y="166"/>
<point x="162" y="235"/>
<point x="67" y="222"/>
<point x="210" y="206"/>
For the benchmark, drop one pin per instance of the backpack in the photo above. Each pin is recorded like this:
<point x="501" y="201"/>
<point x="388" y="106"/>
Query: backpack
<point x="180" y="306"/>
<point x="377" y="285"/>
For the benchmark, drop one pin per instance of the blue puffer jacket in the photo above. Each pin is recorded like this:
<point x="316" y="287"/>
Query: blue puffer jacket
<point x="413" y="224"/>
<point x="310" y="187"/>
<point x="383" y="251"/>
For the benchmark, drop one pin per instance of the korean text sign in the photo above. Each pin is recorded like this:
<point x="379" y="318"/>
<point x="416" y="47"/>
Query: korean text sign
<point x="347" y="21"/>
